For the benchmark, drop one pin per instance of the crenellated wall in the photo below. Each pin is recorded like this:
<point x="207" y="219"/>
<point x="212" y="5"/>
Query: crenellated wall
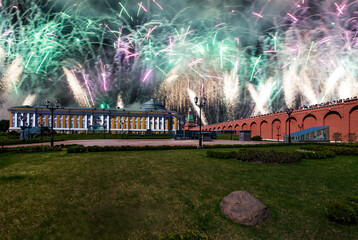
<point x="341" y="116"/>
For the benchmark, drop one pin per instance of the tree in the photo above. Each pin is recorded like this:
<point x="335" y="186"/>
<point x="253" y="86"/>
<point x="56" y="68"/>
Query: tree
<point x="352" y="137"/>
<point x="337" y="137"/>
<point x="4" y="125"/>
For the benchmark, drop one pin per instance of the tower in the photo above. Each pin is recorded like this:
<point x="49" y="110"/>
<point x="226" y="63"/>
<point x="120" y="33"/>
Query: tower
<point x="189" y="123"/>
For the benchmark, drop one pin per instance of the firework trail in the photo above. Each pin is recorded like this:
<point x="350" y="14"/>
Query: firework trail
<point x="78" y="92"/>
<point x="29" y="100"/>
<point x="261" y="96"/>
<point x="120" y="103"/>
<point x="196" y="108"/>
<point x="266" y="54"/>
<point x="11" y="78"/>
<point x="231" y="91"/>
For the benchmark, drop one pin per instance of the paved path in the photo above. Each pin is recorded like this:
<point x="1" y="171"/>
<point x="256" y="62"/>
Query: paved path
<point x="141" y="142"/>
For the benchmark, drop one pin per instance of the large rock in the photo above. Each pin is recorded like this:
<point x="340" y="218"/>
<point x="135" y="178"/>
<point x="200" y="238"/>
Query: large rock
<point x="241" y="207"/>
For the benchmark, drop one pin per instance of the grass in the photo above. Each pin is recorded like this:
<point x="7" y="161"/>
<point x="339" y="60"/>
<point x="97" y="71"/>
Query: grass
<point x="146" y="194"/>
<point x="227" y="137"/>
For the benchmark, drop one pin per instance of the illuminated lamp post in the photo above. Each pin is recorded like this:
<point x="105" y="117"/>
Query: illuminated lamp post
<point x="52" y="109"/>
<point x="23" y="119"/>
<point x="121" y="122"/>
<point x="200" y="104"/>
<point x="230" y="131"/>
<point x="278" y="133"/>
<point x="289" y="112"/>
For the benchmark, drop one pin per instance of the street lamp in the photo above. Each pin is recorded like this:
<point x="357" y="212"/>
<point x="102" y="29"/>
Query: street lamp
<point x="300" y="126"/>
<point x="289" y="112"/>
<point x="278" y="133"/>
<point x="23" y="119"/>
<point x="52" y="108"/>
<point x="28" y="129"/>
<point x="110" y="122"/>
<point x="230" y="131"/>
<point x="121" y="122"/>
<point x="104" y="128"/>
<point x="104" y="125"/>
<point x="200" y="104"/>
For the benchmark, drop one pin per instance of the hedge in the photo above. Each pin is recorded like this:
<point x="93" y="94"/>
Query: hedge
<point x="343" y="212"/>
<point x="256" y="138"/>
<point x="76" y="149"/>
<point x="347" y="150"/>
<point x="189" y="235"/>
<point x="353" y="199"/>
<point x="322" y="154"/>
<point x="136" y="148"/>
<point x="221" y="155"/>
<point x="270" y="156"/>
<point x="257" y="156"/>
<point x="39" y="148"/>
<point x="31" y="149"/>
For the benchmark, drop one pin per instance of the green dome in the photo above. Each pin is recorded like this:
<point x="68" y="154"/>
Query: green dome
<point x="153" y="104"/>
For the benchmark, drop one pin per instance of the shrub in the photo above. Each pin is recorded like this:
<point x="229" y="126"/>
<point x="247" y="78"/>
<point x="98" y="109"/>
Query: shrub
<point x="221" y="155"/>
<point x="317" y="154"/>
<point x="341" y="212"/>
<point x="268" y="156"/>
<point x="33" y="149"/>
<point x="354" y="205"/>
<point x="337" y="137"/>
<point x="76" y="149"/>
<point x="256" y="138"/>
<point x="352" y="137"/>
<point x="189" y="235"/>
<point x="353" y="199"/>
<point x="135" y="148"/>
<point x="4" y="150"/>
<point x="345" y="150"/>
<point x="94" y="148"/>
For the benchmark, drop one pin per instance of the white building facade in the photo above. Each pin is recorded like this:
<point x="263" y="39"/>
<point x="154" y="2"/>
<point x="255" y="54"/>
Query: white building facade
<point x="151" y="116"/>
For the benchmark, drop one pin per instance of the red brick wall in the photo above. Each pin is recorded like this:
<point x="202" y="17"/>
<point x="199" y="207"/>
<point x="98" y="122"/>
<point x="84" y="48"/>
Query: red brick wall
<point x="341" y="116"/>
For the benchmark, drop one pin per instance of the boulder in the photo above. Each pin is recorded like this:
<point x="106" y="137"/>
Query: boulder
<point x="241" y="207"/>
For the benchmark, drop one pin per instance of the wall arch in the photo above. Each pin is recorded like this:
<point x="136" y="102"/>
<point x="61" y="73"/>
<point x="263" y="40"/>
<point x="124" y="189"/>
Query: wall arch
<point x="276" y="128"/>
<point x="294" y="125"/>
<point x="214" y="128"/>
<point x="237" y="128"/>
<point x="245" y="127"/>
<point x="219" y="128"/>
<point x="309" y="121"/>
<point x="264" y="130"/>
<point x="333" y="120"/>
<point x="224" y="127"/>
<point x="254" y="129"/>
<point x="353" y="120"/>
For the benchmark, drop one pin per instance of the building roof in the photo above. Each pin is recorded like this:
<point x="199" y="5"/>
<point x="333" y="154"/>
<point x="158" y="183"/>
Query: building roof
<point x="305" y="131"/>
<point x="153" y="104"/>
<point x="148" y="108"/>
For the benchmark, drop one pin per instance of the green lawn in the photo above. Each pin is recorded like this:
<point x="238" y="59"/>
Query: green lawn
<point x="146" y="194"/>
